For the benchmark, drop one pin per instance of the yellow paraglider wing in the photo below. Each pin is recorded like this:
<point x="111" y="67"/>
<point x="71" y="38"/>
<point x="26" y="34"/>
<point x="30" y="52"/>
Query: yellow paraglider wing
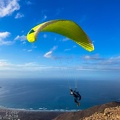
<point x="66" y="28"/>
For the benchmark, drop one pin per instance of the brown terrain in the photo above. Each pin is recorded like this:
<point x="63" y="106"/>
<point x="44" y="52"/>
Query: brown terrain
<point x="108" y="111"/>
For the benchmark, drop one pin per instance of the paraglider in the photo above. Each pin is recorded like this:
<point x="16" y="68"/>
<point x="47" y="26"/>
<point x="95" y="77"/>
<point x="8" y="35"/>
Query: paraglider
<point x="76" y="95"/>
<point x="66" y="28"/>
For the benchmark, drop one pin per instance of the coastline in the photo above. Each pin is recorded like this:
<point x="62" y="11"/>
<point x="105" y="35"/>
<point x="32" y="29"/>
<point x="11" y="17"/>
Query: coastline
<point x="101" y="111"/>
<point x="30" y="114"/>
<point x="23" y="114"/>
<point x="38" y="110"/>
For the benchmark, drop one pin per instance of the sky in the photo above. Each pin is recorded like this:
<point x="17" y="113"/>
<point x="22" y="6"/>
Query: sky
<point x="53" y="55"/>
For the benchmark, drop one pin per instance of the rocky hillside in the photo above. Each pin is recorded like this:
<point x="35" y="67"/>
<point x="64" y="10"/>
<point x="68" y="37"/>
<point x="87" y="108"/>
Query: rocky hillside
<point x="109" y="111"/>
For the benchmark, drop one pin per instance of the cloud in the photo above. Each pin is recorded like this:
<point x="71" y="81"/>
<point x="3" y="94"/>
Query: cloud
<point x="112" y="61"/>
<point x="21" y="38"/>
<point x="7" y="7"/>
<point x="95" y="62"/>
<point x="89" y="62"/>
<point x="67" y="49"/>
<point x="32" y="69"/>
<point x="45" y="36"/>
<point x="74" y="46"/>
<point x="45" y="17"/>
<point x="92" y="57"/>
<point x="65" y="39"/>
<point x="28" y="2"/>
<point x="54" y="48"/>
<point x="29" y="50"/>
<point x="49" y="53"/>
<point x="19" y="15"/>
<point x="59" y="11"/>
<point x="30" y="66"/>
<point x="3" y="36"/>
<point x="3" y="63"/>
<point x="27" y="70"/>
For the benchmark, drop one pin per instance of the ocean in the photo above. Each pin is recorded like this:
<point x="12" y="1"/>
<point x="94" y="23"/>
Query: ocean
<point x="53" y="94"/>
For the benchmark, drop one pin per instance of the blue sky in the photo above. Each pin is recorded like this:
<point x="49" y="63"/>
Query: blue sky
<point x="54" y="55"/>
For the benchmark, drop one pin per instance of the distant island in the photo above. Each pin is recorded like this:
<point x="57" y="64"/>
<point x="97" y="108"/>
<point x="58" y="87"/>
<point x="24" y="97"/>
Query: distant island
<point x="108" y="111"/>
